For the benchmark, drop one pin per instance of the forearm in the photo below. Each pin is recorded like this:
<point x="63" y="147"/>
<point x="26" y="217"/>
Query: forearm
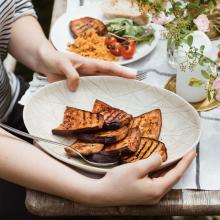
<point x="28" y="44"/>
<point x="24" y="164"/>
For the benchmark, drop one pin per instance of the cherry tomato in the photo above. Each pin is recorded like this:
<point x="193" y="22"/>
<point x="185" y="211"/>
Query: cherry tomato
<point x="110" y="40"/>
<point x="128" y="49"/>
<point x="115" y="48"/>
<point x="132" y="42"/>
<point x="219" y="54"/>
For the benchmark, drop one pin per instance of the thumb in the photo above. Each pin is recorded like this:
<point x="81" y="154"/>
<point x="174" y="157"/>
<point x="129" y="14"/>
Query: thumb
<point x="72" y="76"/>
<point x="144" y="167"/>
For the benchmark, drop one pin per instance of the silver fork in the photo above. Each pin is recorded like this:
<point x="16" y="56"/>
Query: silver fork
<point x="81" y="2"/>
<point x="36" y="138"/>
<point x="143" y="74"/>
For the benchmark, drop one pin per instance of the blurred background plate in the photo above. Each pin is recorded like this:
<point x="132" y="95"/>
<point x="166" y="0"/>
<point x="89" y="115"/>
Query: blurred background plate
<point x="61" y="35"/>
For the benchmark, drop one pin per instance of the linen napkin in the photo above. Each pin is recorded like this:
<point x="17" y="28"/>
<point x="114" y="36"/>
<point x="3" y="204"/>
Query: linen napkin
<point x="204" y="173"/>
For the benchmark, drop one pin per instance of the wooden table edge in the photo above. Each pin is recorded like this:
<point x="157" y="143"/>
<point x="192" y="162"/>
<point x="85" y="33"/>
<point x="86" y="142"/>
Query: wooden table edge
<point x="175" y="203"/>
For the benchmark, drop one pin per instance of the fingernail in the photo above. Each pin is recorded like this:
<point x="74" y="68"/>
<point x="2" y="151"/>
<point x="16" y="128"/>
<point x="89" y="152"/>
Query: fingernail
<point x="157" y="156"/>
<point x="72" y="88"/>
<point x="133" y="73"/>
<point x="77" y="65"/>
<point x="193" y="153"/>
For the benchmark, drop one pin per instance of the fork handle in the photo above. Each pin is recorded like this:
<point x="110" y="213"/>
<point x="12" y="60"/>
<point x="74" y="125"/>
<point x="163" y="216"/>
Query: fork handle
<point x="33" y="137"/>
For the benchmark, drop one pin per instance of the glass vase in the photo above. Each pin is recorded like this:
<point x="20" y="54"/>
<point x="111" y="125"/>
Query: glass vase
<point x="183" y="89"/>
<point x="172" y="54"/>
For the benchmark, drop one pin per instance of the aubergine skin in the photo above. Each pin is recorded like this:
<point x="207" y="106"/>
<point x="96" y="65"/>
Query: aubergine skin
<point x="116" y="153"/>
<point x="68" y="133"/>
<point x="105" y="137"/>
<point x="129" y="144"/>
<point x="112" y="125"/>
<point x="94" y="139"/>
<point x="64" y="133"/>
<point x="100" y="158"/>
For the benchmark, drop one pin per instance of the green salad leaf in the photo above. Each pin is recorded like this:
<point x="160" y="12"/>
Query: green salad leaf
<point x="126" y="28"/>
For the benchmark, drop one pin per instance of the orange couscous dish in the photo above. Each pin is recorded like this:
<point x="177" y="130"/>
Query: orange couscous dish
<point x="91" y="45"/>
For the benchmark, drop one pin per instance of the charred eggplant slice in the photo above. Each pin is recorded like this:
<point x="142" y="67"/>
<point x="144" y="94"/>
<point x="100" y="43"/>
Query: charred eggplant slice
<point x="114" y="118"/>
<point x="129" y="144"/>
<point x="101" y="158"/>
<point x="105" y="137"/>
<point x="84" y="148"/>
<point x="149" y="123"/>
<point x="76" y="121"/>
<point x="79" y="26"/>
<point x="147" y="147"/>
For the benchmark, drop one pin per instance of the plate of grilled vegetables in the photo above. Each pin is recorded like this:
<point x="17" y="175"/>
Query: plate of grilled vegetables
<point x="112" y="119"/>
<point x="95" y="33"/>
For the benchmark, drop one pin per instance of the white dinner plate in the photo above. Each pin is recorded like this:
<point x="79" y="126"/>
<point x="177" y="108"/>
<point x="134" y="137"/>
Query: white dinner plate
<point x="61" y="35"/>
<point x="181" y="126"/>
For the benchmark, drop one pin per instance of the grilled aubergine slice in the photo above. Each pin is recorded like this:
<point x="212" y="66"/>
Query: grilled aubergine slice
<point x="76" y="120"/>
<point x="100" y="158"/>
<point x="100" y="106"/>
<point x="129" y="144"/>
<point x="79" y="26"/>
<point x="84" y="148"/>
<point x="149" y="124"/>
<point x="114" y="118"/>
<point x="147" y="147"/>
<point x="105" y="137"/>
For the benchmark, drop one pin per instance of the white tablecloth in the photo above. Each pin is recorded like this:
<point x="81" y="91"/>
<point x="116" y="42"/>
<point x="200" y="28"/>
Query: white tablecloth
<point x="204" y="173"/>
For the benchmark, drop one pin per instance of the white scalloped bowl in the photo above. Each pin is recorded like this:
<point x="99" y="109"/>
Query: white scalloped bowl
<point x="181" y="127"/>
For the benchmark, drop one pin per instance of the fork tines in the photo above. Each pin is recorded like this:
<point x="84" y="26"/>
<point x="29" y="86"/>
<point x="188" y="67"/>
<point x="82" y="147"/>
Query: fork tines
<point x="141" y="75"/>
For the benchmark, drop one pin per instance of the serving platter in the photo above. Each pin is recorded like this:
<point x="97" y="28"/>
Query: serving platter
<point x="181" y="128"/>
<point x="61" y="35"/>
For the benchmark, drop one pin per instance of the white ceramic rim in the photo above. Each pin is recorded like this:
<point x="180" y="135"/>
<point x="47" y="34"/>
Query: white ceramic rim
<point x="99" y="170"/>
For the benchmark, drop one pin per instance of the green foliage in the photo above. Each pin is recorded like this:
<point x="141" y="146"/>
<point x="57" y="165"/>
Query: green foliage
<point x="183" y="24"/>
<point x="211" y="95"/>
<point x="202" y="48"/>
<point x="157" y="5"/>
<point x="126" y="28"/>
<point x="178" y="30"/>
<point x="195" y="8"/>
<point x="190" y="40"/>
<point x="194" y="57"/>
<point x="205" y="74"/>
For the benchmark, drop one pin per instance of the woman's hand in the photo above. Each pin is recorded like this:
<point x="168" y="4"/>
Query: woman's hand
<point x="57" y="66"/>
<point x="130" y="184"/>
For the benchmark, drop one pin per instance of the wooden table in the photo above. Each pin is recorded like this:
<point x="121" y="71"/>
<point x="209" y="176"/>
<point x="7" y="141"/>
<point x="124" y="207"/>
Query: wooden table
<point x="176" y="202"/>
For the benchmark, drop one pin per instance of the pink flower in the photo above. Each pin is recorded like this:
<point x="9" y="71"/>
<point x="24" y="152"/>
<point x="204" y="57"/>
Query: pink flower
<point x="217" y="97"/>
<point x="216" y="86"/>
<point x="162" y="19"/>
<point x="202" y="23"/>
